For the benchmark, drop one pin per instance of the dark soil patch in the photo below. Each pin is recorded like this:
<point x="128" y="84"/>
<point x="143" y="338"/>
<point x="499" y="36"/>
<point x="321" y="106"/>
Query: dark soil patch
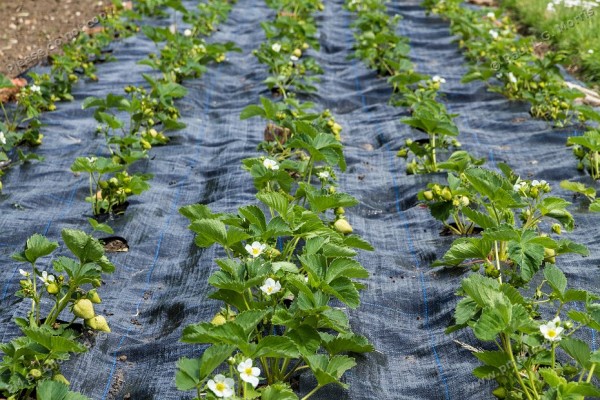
<point x="34" y="29"/>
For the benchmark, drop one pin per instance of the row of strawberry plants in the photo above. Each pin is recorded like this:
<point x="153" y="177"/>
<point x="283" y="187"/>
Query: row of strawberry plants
<point x="514" y="245"/>
<point x="150" y="112"/>
<point x="32" y="363"/>
<point x="380" y="48"/>
<point x="510" y="64"/>
<point x="21" y="124"/>
<point x="290" y="256"/>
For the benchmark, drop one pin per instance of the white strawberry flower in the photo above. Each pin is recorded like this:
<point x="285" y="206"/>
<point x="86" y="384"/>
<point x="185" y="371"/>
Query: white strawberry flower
<point x="293" y="58"/>
<point x="248" y="373"/>
<point x="494" y="34"/>
<point x="491" y="15"/>
<point x="438" y="79"/>
<point x="519" y="186"/>
<point x="276" y="47"/>
<point x="173" y="28"/>
<point x="552" y="330"/>
<point x="221" y="386"/>
<point x="35" y="88"/>
<point x="24" y="273"/>
<point x="255" y="249"/>
<point x="270" y="286"/>
<point x="187" y="33"/>
<point x="270" y="164"/>
<point x="512" y="78"/>
<point x="323" y="175"/>
<point x="590" y="51"/>
<point x="47" y="279"/>
<point x="2" y="138"/>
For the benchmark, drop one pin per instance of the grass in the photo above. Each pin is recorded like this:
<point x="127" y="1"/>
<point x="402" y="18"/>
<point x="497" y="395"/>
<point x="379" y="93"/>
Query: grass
<point x="573" y="31"/>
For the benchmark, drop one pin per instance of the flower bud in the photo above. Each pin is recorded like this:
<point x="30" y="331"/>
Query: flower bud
<point x="342" y="226"/>
<point x="428" y="195"/>
<point x="499" y="393"/>
<point x="556" y="228"/>
<point x="339" y="211"/>
<point x="402" y="153"/>
<point x="83" y="308"/>
<point x="98" y="323"/>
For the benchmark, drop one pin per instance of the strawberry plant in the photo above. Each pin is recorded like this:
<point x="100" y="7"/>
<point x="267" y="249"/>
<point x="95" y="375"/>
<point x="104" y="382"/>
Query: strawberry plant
<point x="147" y="110"/>
<point x="31" y="363"/>
<point x="108" y="194"/>
<point x="288" y="37"/>
<point x="378" y="45"/>
<point x="286" y="259"/>
<point x="495" y="204"/>
<point x="498" y="54"/>
<point x="586" y="149"/>
<point x="533" y="358"/>
<point x="431" y="118"/>
<point x="183" y="56"/>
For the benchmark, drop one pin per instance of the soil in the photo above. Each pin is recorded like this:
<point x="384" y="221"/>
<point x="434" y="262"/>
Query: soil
<point x="34" y="29"/>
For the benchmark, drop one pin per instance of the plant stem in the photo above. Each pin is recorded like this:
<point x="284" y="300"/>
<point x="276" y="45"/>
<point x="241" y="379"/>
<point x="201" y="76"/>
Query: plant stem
<point x="434" y="168"/>
<point x="311" y="392"/>
<point x="497" y="260"/>
<point x="591" y="374"/>
<point x="506" y="340"/>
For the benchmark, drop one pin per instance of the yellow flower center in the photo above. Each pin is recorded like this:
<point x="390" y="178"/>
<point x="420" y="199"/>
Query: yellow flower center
<point x="255" y="251"/>
<point x="221" y="386"/>
<point x="270" y="289"/>
<point x="551" y="333"/>
<point x="248" y="371"/>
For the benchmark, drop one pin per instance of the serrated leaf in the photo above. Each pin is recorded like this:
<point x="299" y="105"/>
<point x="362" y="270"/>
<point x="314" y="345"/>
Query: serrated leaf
<point x="208" y="232"/>
<point x="556" y="278"/>
<point x="83" y="246"/>
<point x="38" y="246"/>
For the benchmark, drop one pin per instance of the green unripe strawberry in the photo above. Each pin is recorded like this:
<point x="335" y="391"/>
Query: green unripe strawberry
<point x="35" y="373"/>
<point x="94" y="297"/>
<point x="52" y="288"/>
<point x="98" y="323"/>
<point x="550" y="255"/>
<point x="343" y="226"/>
<point x="61" y="378"/>
<point x="556" y="228"/>
<point x="218" y="320"/>
<point x="402" y="153"/>
<point x="446" y="194"/>
<point x="297" y="53"/>
<point x="499" y="393"/>
<point x="336" y="128"/>
<point x="84" y="308"/>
